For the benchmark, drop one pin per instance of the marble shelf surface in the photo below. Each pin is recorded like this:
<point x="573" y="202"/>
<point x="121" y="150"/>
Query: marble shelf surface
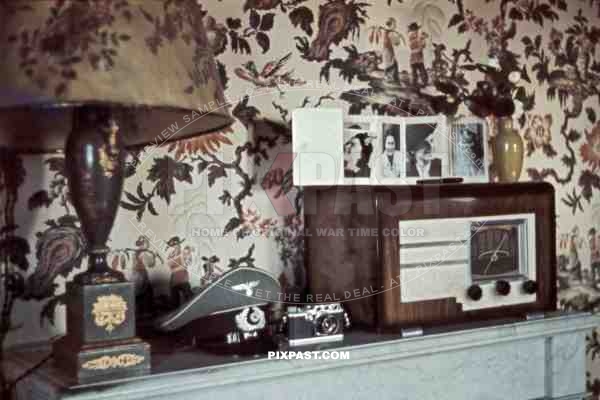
<point x="536" y="359"/>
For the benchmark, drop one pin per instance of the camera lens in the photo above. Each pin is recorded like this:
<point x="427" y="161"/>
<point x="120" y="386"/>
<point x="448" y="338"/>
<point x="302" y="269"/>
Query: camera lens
<point x="329" y="325"/>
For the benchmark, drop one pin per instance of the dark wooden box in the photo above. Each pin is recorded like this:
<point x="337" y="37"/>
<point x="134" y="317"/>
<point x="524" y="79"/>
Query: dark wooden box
<point x="350" y="259"/>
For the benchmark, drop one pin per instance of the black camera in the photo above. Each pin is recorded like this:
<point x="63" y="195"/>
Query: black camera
<point x="315" y="324"/>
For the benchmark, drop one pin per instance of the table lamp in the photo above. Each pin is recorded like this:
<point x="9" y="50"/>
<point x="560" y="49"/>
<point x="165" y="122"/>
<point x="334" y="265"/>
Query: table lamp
<point x="92" y="78"/>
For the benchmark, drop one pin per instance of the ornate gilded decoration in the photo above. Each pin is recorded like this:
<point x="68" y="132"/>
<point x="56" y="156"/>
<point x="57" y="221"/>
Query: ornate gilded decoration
<point x="102" y="279"/>
<point x="110" y="362"/>
<point x="109" y="153"/>
<point x="109" y="311"/>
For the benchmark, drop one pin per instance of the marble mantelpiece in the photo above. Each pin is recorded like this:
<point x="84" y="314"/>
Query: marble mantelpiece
<point x="537" y="359"/>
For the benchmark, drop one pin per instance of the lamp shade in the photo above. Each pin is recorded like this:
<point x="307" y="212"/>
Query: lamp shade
<point x="146" y="59"/>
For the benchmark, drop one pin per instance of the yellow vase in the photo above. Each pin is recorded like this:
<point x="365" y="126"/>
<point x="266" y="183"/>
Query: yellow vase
<point x="508" y="151"/>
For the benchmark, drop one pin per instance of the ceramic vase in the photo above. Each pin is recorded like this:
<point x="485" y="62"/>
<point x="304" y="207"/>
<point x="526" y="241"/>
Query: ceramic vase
<point x="508" y="151"/>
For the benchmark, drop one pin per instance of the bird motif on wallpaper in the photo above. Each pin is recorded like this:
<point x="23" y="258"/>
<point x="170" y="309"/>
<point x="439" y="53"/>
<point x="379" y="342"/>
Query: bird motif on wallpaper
<point x="271" y="76"/>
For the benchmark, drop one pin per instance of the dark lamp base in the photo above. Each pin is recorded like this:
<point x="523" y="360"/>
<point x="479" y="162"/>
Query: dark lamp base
<point x="100" y="341"/>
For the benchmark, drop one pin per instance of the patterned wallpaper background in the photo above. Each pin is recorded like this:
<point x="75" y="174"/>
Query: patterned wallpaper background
<point x="226" y="199"/>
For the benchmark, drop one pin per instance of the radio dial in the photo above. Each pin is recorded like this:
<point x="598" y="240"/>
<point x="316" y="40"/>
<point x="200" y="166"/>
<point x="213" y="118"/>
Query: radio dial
<point x="502" y="287"/>
<point x="530" y="287"/>
<point x="474" y="292"/>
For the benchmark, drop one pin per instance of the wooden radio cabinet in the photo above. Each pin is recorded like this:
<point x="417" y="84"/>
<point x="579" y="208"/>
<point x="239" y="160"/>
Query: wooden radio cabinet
<point x="432" y="254"/>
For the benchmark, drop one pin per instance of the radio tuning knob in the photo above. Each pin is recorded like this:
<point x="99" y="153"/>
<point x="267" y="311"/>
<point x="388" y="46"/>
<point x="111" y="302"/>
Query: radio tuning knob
<point x="502" y="287"/>
<point x="474" y="292"/>
<point x="530" y="287"/>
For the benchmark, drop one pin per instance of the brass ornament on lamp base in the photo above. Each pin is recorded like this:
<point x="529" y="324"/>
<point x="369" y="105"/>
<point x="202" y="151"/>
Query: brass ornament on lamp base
<point x="102" y="76"/>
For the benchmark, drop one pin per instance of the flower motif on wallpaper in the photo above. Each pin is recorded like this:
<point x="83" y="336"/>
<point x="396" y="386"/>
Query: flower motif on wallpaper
<point x="589" y="180"/>
<point x="164" y="174"/>
<point x="571" y="75"/>
<point x="338" y="20"/>
<point x="205" y="144"/>
<point x="216" y="34"/>
<point x="298" y="14"/>
<point x="474" y="23"/>
<point x="538" y="134"/>
<point x="494" y="31"/>
<point x="254" y="224"/>
<point x="590" y="150"/>
<point x="59" y="250"/>
<point x="365" y="66"/>
<point x="259" y="26"/>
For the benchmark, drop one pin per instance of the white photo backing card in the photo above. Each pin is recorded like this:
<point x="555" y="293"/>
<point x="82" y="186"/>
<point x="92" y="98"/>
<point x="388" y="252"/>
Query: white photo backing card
<point x="336" y="149"/>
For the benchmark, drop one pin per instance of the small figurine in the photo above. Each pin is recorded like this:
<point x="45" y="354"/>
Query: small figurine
<point x="405" y="78"/>
<point x="211" y="271"/>
<point x="440" y="63"/>
<point x="417" y="43"/>
<point x="144" y="259"/>
<point x="594" y="243"/>
<point x="574" y="265"/>
<point x="390" y="38"/>
<point x="181" y="290"/>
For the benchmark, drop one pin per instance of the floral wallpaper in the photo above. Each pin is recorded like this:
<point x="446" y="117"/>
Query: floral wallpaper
<point x="226" y="199"/>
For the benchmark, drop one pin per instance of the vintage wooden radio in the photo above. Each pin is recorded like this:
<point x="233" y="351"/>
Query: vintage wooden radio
<point x="431" y="254"/>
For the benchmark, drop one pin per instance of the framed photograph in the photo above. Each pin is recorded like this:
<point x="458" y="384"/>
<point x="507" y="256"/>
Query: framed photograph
<point x="390" y="155"/>
<point x="359" y="136"/>
<point x="468" y="140"/>
<point x="425" y="144"/>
